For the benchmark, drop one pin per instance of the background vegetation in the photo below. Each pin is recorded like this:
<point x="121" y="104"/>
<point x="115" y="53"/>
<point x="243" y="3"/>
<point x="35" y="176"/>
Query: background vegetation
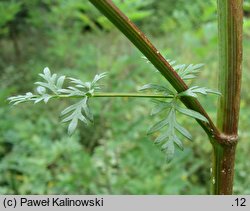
<point x="113" y="156"/>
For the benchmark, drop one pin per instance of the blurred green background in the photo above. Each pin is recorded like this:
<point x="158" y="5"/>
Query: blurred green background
<point x="113" y="156"/>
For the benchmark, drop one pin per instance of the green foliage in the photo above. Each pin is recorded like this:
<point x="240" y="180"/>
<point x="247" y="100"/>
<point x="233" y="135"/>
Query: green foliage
<point x="8" y="10"/>
<point x="169" y="139"/>
<point x="187" y="72"/>
<point x="53" y="88"/>
<point x="37" y="157"/>
<point x="77" y="110"/>
<point x="136" y="10"/>
<point x="162" y="89"/>
<point x="80" y="111"/>
<point x="84" y="14"/>
<point x="246" y="6"/>
<point x="182" y="14"/>
<point x="114" y="156"/>
<point x="192" y="91"/>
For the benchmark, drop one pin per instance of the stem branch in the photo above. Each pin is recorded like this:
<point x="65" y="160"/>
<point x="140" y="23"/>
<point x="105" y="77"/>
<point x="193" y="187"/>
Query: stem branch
<point x="131" y="31"/>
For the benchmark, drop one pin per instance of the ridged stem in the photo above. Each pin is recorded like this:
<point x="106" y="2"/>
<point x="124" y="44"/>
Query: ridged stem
<point x="230" y="20"/>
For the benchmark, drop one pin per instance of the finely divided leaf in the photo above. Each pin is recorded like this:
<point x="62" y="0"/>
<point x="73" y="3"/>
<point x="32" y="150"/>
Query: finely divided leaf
<point x="46" y="72"/>
<point x="187" y="72"/>
<point x="191" y="113"/>
<point x="169" y="149"/>
<point x="41" y="90"/>
<point x="168" y="139"/>
<point x="72" y="126"/>
<point x="160" y="106"/>
<point x="87" y="88"/>
<point x="162" y="137"/>
<point x="178" y="142"/>
<point x="157" y="88"/>
<point x="99" y="77"/>
<point x="86" y="109"/>
<point x="68" y="109"/>
<point x="158" y="126"/>
<point x="52" y="82"/>
<point x="183" y="131"/>
<point x="191" y="92"/>
<point x="22" y="98"/>
<point x="60" y="82"/>
<point x="80" y="111"/>
<point x="52" y="87"/>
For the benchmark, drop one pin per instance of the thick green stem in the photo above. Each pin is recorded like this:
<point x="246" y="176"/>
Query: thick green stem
<point x="223" y="166"/>
<point x="230" y="16"/>
<point x="153" y="55"/>
<point x="230" y="58"/>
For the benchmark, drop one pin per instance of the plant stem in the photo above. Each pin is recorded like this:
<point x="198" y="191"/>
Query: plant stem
<point x="230" y="16"/>
<point x="131" y="95"/>
<point x="153" y="55"/>
<point x="117" y="94"/>
<point x="223" y="168"/>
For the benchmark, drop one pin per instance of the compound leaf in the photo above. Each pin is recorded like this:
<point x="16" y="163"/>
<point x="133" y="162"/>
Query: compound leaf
<point x="160" y="106"/>
<point x="169" y="149"/>
<point x="183" y="131"/>
<point x="191" y="113"/>
<point x="72" y="126"/>
<point x="192" y="91"/>
<point x="157" y="88"/>
<point x="178" y="142"/>
<point x="158" y="126"/>
<point x="79" y="111"/>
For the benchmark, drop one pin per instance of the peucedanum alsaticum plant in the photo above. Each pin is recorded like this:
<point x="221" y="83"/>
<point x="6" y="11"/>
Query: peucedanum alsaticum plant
<point x="166" y="100"/>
